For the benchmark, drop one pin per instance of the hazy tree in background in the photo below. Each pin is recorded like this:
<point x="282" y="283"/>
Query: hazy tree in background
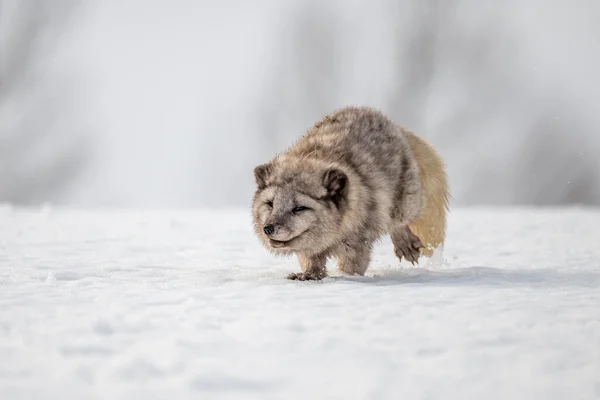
<point x="415" y="60"/>
<point x="305" y="80"/>
<point x="512" y="146"/>
<point x="557" y="163"/>
<point x="40" y="151"/>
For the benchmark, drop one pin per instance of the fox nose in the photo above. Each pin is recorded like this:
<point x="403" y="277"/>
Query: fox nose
<point x="269" y="229"/>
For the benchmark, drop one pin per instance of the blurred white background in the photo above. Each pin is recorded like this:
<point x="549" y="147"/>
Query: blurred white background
<point x="148" y="103"/>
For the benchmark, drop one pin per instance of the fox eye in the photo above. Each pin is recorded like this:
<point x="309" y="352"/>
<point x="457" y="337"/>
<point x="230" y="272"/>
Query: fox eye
<point x="299" y="209"/>
<point x="270" y="203"/>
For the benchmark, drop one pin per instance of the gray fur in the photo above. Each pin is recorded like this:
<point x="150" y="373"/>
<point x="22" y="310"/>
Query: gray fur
<point x="357" y="176"/>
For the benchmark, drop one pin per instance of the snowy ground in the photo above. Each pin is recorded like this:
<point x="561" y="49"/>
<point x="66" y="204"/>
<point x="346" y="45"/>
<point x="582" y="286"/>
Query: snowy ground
<point x="187" y="305"/>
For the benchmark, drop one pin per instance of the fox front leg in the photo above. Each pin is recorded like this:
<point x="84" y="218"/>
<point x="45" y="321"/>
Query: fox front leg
<point x="354" y="256"/>
<point x="313" y="268"/>
<point x="406" y="244"/>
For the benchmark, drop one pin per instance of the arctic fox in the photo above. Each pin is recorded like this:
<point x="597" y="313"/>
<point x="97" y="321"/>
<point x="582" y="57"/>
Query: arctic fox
<point x="352" y="178"/>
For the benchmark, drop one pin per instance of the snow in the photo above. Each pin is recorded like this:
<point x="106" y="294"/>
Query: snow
<point x="111" y="304"/>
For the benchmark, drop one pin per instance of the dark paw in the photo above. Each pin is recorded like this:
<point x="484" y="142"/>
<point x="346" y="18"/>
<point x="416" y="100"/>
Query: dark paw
<point x="306" y="276"/>
<point x="409" y="249"/>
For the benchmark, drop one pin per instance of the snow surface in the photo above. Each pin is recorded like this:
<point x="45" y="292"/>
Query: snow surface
<point x="187" y="305"/>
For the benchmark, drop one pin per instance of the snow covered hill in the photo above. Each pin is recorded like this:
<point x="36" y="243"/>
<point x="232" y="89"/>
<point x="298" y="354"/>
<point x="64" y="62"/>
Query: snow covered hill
<point x="187" y="305"/>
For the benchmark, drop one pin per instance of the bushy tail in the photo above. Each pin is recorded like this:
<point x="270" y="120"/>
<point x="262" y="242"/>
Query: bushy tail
<point x="430" y="227"/>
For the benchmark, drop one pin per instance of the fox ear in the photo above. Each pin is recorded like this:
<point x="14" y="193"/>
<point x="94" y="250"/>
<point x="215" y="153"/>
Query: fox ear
<point x="261" y="175"/>
<point x="336" y="183"/>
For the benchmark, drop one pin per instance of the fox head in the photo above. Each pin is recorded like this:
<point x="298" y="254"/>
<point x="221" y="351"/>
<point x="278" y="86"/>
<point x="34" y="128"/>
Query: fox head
<point x="298" y="205"/>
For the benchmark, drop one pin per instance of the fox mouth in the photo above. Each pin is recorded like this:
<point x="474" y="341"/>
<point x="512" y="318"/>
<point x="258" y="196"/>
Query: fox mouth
<point x="282" y="244"/>
<point x="278" y="244"/>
